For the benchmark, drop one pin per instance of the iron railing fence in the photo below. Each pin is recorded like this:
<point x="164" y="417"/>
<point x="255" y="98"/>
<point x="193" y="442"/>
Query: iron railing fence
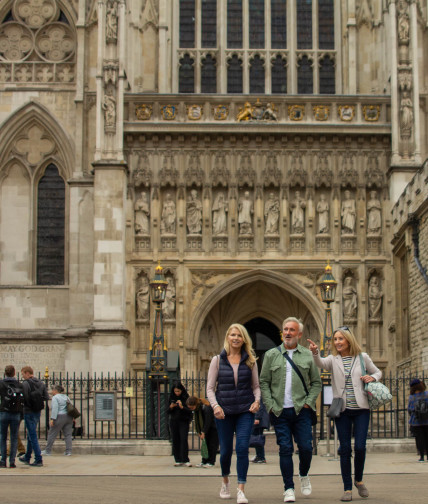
<point x="130" y="390"/>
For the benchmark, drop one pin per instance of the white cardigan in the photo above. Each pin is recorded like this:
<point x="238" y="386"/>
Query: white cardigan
<point x="334" y="364"/>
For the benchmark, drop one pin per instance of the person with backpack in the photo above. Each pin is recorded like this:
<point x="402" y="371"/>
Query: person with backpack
<point x="418" y="416"/>
<point x="35" y="395"/>
<point x="12" y="400"/>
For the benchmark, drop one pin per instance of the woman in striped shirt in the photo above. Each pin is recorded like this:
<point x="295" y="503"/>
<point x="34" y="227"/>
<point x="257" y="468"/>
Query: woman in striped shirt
<point x="348" y="383"/>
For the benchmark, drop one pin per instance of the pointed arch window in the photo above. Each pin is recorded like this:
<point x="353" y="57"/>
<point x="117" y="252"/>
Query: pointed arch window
<point x="305" y="78"/>
<point x="278" y="24"/>
<point x="304" y="24"/>
<point x="209" y="75"/>
<point x="257" y="75"/>
<point x="234" y="75"/>
<point x="279" y="75"/>
<point x="187" y="23"/>
<point x="257" y="24"/>
<point x="327" y="76"/>
<point x="234" y="24"/>
<point x="51" y="228"/>
<point x="326" y="24"/>
<point x="209" y="23"/>
<point x="186" y="75"/>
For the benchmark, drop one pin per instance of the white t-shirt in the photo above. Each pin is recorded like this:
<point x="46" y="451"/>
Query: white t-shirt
<point x="288" y="399"/>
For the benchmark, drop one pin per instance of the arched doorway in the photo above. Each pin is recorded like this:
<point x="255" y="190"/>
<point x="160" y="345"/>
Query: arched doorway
<point x="265" y="335"/>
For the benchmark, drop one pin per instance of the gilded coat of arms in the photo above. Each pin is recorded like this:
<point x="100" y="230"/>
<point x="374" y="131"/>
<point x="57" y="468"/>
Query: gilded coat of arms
<point x="169" y="112"/>
<point x="257" y="112"/>
<point x="346" y="112"/>
<point x="371" y="112"/>
<point x="296" y="112"/>
<point x="143" y="112"/>
<point x="194" y="112"/>
<point x="220" y="112"/>
<point x="321" y="112"/>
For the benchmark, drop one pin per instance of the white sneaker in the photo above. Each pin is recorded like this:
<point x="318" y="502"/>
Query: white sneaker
<point x="289" y="495"/>
<point x="178" y="464"/>
<point x="240" y="497"/>
<point x="305" y="485"/>
<point x="201" y="464"/>
<point x="224" y="491"/>
<point x="188" y="464"/>
<point x="253" y="459"/>
<point x="44" y="452"/>
<point x="208" y="465"/>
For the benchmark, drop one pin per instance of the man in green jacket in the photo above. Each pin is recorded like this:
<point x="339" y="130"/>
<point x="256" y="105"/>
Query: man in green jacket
<point x="290" y="403"/>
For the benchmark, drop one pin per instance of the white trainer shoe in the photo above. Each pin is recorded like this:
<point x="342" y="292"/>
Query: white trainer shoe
<point x="240" y="497"/>
<point x="289" y="495"/>
<point x="224" y="491"/>
<point x="305" y="485"/>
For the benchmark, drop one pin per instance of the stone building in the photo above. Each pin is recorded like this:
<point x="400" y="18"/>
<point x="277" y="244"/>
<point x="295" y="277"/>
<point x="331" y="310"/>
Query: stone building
<point x="243" y="143"/>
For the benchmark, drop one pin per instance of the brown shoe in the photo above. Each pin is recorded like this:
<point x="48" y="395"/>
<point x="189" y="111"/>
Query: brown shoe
<point x="362" y="490"/>
<point x="347" y="496"/>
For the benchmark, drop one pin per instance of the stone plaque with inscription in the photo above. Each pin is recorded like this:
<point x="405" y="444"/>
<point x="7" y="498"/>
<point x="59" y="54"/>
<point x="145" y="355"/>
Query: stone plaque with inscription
<point x="37" y="355"/>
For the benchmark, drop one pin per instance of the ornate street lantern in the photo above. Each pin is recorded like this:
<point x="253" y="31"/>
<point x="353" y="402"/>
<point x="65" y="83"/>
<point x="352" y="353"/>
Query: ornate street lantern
<point x="328" y="292"/>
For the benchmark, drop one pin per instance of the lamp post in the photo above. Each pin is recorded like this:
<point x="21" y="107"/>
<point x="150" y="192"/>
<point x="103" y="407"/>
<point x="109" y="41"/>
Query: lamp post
<point x="328" y="292"/>
<point x="157" y="374"/>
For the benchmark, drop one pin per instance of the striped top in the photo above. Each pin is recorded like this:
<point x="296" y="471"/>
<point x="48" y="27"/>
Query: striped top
<point x="351" y="402"/>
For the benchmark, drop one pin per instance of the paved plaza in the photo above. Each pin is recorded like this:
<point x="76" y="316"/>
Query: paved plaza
<point x="115" y="479"/>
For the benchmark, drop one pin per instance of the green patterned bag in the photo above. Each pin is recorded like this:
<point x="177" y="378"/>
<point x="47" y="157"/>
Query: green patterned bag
<point x="377" y="393"/>
<point x="204" y="449"/>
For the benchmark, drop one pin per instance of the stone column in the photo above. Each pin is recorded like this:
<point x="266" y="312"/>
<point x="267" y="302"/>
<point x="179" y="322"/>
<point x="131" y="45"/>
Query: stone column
<point x="352" y="49"/>
<point x="394" y="83"/>
<point x="415" y="75"/>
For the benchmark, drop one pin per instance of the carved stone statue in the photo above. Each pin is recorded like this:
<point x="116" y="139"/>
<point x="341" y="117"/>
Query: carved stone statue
<point x="220" y="209"/>
<point x="348" y="214"/>
<point x="142" y="213"/>
<point x="323" y="209"/>
<point x="111" y="21"/>
<point x="109" y="107"/>
<point x="245" y="214"/>
<point x="271" y="214"/>
<point x="406" y="115"/>
<point x="143" y="298"/>
<point x="375" y="298"/>
<point x="349" y="294"/>
<point x="269" y="113"/>
<point x="374" y="208"/>
<point x="297" y="214"/>
<point x="403" y="29"/>
<point x="169" y="303"/>
<point x="194" y="213"/>
<point x="168" y="215"/>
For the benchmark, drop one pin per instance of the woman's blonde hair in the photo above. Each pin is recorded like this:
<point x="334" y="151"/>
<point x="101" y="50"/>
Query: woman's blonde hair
<point x="354" y="346"/>
<point x="247" y="346"/>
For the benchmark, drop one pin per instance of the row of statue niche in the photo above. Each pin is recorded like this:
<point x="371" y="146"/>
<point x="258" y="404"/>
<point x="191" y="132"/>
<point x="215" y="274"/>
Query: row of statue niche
<point x="220" y="209"/>
<point x="143" y="299"/>
<point x="350" y="298"/>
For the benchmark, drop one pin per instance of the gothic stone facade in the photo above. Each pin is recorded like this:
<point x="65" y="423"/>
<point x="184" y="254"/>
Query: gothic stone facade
<point x="107" y="167"/>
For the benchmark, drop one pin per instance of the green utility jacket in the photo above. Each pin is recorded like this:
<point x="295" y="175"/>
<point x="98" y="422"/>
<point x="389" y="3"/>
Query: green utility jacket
<point x="272" y="380"/>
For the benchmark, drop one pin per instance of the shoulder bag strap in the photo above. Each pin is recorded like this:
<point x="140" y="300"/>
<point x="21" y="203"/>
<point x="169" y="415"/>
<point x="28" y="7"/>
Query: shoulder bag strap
<point x="363" y="369"/>
<point x="299" y="374"/>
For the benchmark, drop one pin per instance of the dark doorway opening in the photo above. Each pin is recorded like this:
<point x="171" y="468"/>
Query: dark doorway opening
<point x="264" y="334"/>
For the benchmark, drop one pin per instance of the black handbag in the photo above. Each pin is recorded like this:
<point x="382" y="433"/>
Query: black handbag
<point x="335" y="408"/>
<point x="257" y="440"/>
<point x="72" y="410"/>
<point x="314" y="418"/>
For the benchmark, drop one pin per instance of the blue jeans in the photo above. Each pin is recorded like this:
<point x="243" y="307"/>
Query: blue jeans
<point x="9" y="419"/>
<point x="287" y="426"/>
<point x="359" y="418"/>
<point x="260" y="450"/>
<point x="242" y="424"/>
<point x="31" y="421"/>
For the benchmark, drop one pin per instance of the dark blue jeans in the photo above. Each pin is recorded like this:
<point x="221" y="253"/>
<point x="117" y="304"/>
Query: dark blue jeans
<point x="260" y="450"/>
<point x="242" y="424"/>
<point x="9" y="419"/>
<point x="31" y="422"/>
<point x="287" y="426"/>
<point x="359" y="419"/>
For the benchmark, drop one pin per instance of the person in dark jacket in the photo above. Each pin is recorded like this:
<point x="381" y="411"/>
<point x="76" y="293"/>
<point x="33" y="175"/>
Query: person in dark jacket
<point x="32" y="385"/>
<point x="11" y="394"/>
<point x="179" y="420"/>
<point x="419" y="421"/>
<point x="261" y="422"/>
<point x="234" y="394"/>
<point x="205" y="427"/>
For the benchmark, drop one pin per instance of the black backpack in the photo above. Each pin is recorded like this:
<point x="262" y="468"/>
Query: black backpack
<point x="35" y="397"/>
<point x="421" y="410"/>
<point x="13" y="399"/>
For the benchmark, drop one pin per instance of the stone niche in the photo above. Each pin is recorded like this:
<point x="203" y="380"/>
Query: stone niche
<point x="37" y="355"/>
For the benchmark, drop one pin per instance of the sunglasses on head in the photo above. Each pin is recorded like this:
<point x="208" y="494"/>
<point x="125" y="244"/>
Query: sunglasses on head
<point x="346" y="328"/>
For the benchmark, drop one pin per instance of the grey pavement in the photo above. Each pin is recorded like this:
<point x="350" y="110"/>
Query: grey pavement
<point x="390" y="478"/>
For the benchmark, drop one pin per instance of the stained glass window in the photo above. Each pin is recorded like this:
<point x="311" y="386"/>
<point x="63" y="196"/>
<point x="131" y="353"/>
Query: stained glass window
<point x="234" y="24"/>
<point x="51" y="228"/>
<point x="208" y="75"/>
<point x="326" y="24"/>
<point x="257" y="75"/>
<point x="327" y="76"/>
<point x="187" y="23"/>
<point x="209" y="23"/>
<point x="305" y="78"/>
<point x="278" y="24"/>
<point x="304" y="24"/>
<point x="279" y="75"/>
<point x="257" y="24"/>
<point x="234" y="75"/>
<point x="186" y="77"/>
